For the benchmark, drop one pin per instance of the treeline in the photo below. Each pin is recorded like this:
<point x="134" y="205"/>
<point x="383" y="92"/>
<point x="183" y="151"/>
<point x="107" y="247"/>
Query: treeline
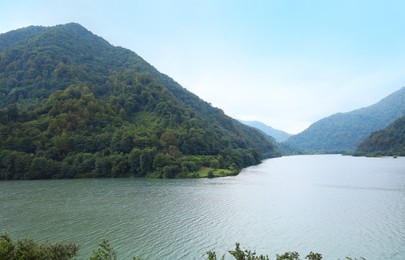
<point x="72" y="134"/>
<point x="389" y="141"/>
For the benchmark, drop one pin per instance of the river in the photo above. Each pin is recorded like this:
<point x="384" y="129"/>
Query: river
<point x="331" y="204"/>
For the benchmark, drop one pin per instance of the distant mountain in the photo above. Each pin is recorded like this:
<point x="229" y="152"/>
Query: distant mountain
<point x="72" y="105"/>
<point x="279" y="135"/>
<point x="388" y="141"/>
<point x="344" y="131"/>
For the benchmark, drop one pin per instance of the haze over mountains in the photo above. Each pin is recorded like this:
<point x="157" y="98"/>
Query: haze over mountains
<point x="343" y="132"/>
<point x="72" y="105"/>
<point x="349" y="132"/>
<point x="279" y="135"/>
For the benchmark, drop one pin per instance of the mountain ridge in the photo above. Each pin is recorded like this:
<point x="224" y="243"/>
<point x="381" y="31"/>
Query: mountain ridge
<point x="389" y="141"/>
<point x="72" y="105"/>
<point x="277" y="134"/>
<point x="342" y="132"/>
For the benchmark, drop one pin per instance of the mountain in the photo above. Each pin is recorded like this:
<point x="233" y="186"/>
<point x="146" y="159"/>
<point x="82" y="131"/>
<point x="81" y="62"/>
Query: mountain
<point x="72" y="105"/>
<point x="388" y="141"/>
<point x="279" y="135"/>
<point x="344" y="131"/>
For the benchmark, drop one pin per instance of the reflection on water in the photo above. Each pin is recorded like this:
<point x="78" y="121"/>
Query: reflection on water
<point x="336" y="205"/>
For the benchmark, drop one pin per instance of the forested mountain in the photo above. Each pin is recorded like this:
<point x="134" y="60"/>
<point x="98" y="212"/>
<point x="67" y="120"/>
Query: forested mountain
<point x="279" y="135"/>
<point x="72" y="105"/>
<point x="344" y="131"/>
<point x="388" y="141"/>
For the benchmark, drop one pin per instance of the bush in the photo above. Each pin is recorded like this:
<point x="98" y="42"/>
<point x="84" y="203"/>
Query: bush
<point x="26" y="249"/>
<point x="246" y="254"/>
<point x="104" y="252"/>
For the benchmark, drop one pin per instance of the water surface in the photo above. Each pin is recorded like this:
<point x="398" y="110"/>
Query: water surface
<point x="335" y="205"/>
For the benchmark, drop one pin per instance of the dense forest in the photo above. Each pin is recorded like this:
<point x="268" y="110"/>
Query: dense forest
<point x="389" y="141"/>
<point x="72" y="105"/>
<point x="343" y="132"/>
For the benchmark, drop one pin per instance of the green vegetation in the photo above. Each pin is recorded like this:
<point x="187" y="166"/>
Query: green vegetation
<point x="105" y="251"/>
<point x="27" y="249"/>
<point x="239" y="254"/>
<point x="246" y="254"/>
<point x="73" y="106"/>
<point x="387" y="142"/>
<point x="343" y="132"/>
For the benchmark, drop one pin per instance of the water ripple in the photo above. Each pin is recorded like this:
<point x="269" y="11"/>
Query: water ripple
<point x="335" y="205"/>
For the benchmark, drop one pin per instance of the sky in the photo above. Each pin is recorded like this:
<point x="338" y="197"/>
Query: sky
<point x="282" y="62"/>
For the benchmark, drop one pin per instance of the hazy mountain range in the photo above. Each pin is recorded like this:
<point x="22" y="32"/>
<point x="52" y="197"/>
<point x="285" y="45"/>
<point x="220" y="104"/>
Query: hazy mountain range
<point x="343" y="132"/>
<point x="279" y="135"/>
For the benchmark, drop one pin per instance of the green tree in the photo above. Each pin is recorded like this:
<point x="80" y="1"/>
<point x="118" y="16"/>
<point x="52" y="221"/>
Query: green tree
<point x="146" y="159"/>
<point x="103" y="167"/>
<point x="213" y="256"/>
<point x="313" y="256"/>
<point x="120" y="167"/>
<point x="62" y="143"/>
<point x="134" y="162"/>
<point x="240" y="254"/>
<point x="288" y="256"/>
<point x="27" y="249"/>
<point x="104" y="252"/>
<point x="167" y="139"/>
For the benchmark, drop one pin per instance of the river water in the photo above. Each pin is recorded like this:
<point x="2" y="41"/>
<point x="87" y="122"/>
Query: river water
<point x="331" y="204"/>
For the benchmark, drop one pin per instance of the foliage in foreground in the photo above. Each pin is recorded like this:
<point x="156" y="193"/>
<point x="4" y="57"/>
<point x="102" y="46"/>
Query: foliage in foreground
<point x="246" y="254"/>
<point x="105" y="251"/>
<point x="27" y="249"/>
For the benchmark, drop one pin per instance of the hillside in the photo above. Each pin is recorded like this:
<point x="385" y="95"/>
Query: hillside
<point x="344" y="131"/>
<point x="72" y="105"/>
<point x="279" y="135"/>
<point x="388" y="141"/>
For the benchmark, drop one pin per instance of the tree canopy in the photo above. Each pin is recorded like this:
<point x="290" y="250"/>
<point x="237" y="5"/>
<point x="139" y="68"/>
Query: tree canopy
<point x="388" y="141"/>
<point x="72" y="105"/>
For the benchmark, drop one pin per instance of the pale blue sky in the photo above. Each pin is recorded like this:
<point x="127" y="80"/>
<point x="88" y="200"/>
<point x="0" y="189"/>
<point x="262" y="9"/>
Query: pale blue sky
<point x="285" y="63"/>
